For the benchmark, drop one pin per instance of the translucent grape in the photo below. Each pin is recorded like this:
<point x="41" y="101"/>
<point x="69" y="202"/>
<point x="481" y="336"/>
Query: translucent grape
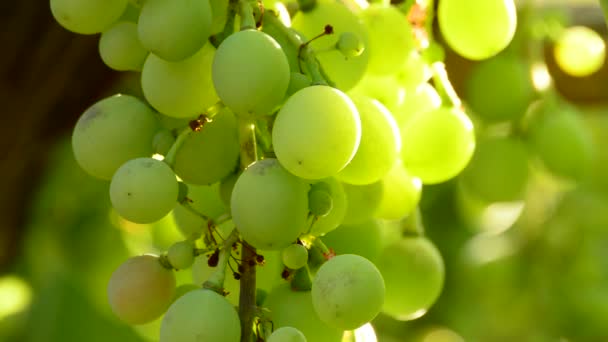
<point x="141" y="289"/>
<point x="181" y="255"/>
<point x="319" y="202"/>
<point x="286" y="334"/>
<point x="384" y="89"/>
<point x="350" y="45"/>
<point x="205" y="200"/>
<point x="120" y="48"/>
<point x="295" y="256"/>
<point x="362" y="201"/>
<point x="87" y="16"/>
<point x="364" y="239"/>
<point x="316" y="132"/>
<point x="111" y="132"/>
<point x="269" y="205"/>
<point x="143" y="190"/>
<point x="333" y="219"/>
<point x="413" y="273"/>
<point x="201" y="315"/>
<point x="254" y="85"/>
<point x="347" y="291"/>
<point x="174" y="29"/>
<point x="437" y="145"/>
<point x="181" y="89"/>
<point x="210" y="154"/>
<point x="580" y="51"/>
<point x="379" y="147"/>
<point x="400" y="193"/>
<point x="420" y="99"/>
<point x="477" y="29"/>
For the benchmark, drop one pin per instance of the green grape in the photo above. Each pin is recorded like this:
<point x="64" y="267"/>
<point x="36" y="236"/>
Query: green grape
<point x="174" y="29"/>
<point x="498" y="171"/>
<point x="219" y="11"/>
<point x="206" y="201"/>
<point x="210" y="154"/>
<point x="201" y="315"/>
<point x="364" y="239"/>
<point x="162" y="141"/>
<point x="400" y="193"/>
<point x="580" y="51"/>
<point x="141" y="289"/>
<point x="316" y="132"/>
<point x="111" y="132"/>
<point x="120" y="48"/>
<point x="362" y="201"/>
<point x="414" y="71"/>
<point x="379" y="146"/>
<point x="181" y="89"/>
<point x="344" y="72"/>
<point x="226" y="187"/>
<point x="286" y="334"/>
<point x="254" y="85"/>
<point x="297" y="81"/>
<point x="201" y="273"/>
<point x="295" y="256"/>
<point x="289" y="308"/>
<point x="437" y="145"/>
<point x="385" y="89"/>
<point x="391" y="38"/>
<point x="319" y="202"/>
<point x="491" y="79"/>
<point x="477" y="29"/>
<point x="87" y="16"/>
<point x="181" y="255"/>
<point x="143" y="190"/>
<point x="350" y="45"/>
<point x="420" y="99"/>
<point x="347" y="291"/>
<point x="413" y="273"/>
<point x="269" y="205"/>
<point x="333" y="219"/>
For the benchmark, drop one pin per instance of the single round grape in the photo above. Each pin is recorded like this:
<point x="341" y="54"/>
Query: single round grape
<point x="400" y="193"/>
<point x="205" y="200"/>
<point x="362" y="201"/>
<point x="87" y="17"/>
<point x="333" y="219"/>
<point x="174" y="29"/>
<point x="580" y="51"/>
<point x="347" y="291"/>
<point x="316" y="132"/>
<point x="295" y="256"/>
<point x="384" y="89"/>
<point x="437" y="145"/>
<point x="269" y="205"/>
<point x="162" y="141"/>
<point x="254" y="85"/>
<point x="120" y="48"/>
<point x="364" y="239"/>
<point x="210" y="154"/>
<point x="420" y="99"/>
<point x="201" y="315"/>
<point x="111" y="132"/>
<point x="391" y="38"/>
<point x="181" y="89"/>
<point x="181" y="255"/>
<point x="319" y="202"/>
<point x="477" y="29"/>
<point x="350" y="45"/>
<point x="413" y="273"/>
<point x="379" y="147"/>
<point x="143" y="190"/>
<point x="286" y="334"/>
<point x="141" y="289"/>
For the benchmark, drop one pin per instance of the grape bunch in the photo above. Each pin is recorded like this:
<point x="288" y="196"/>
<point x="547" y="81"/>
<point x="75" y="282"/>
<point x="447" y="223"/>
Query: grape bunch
<point x="291" y="142"/>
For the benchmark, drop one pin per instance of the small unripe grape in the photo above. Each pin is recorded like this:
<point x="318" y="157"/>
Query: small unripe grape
<point x="295" y="256"/>
<point x="286" y="334"/>
<point x="320" y="202"/>
<point x="580" y="51"/>
<point x="120" y="49"/>
<point x="181" y="255"/>
<point x="350" y="45"/>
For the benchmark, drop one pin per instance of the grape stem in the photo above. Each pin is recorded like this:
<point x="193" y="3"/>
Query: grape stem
<point x="216" y="280"/>
<point x="246" y="13"/>
<point x="181" y="138"/>
<point x="444" y="86"/>
<point x="412" y="225"/>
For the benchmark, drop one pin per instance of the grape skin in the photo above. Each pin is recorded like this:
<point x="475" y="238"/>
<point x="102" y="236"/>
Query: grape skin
<point x="286" y="334"/>
<point x="120" y="48"/>
<point x="87" y="16"/>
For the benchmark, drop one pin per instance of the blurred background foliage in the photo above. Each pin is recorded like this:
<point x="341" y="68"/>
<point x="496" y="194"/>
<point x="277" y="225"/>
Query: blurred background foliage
<point x="533" y="271"/>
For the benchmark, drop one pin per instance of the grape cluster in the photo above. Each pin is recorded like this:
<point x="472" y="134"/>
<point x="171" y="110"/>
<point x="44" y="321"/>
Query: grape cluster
<point x="298" y="142"/>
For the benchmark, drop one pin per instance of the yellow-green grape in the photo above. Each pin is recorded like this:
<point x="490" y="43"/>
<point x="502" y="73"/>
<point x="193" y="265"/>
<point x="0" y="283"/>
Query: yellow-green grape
<point x="286" y="334"/>
<point x="414" y="71"/>
<point x="289" y="308"/>
<point x="316" y="132"/>
<point x="326" y="223"/>
<point x="347" y="291"/>
<point x="344" y="72"/>
<point x="201" y="315"/>
<point x="364" y="239"/>
<point x="391" y="38"/>
<point x="141" y="289"/>
<point x="87" y="16"/>
<point x="210" y="154"/>
<point x="379" y="147"/>
<point x="295" y="256"/>
<point x="111" y="132"/>
<point x="181" y="89"/>
<point x="400" y="193"/>
<point x="181" y="255"/>
<point x="254" y="85"/>
<point x="413" y="273"/>
<point x="350" y="45"/>
<point x="205" y="199"/>
<point x="120" y="48"/>
<point x="219" y="11"/>
<point x="320" y="202"/>
<point x="269" y="205"/>
<point x="498" y="171"/>
<point x="477" y="29"/>
<point x="174" y="29"/>
<point x="580" y="51"/>
<point x="201" y="271"/>
<point x="162" y="142"/>
<point x="420" y="99"/>
<point x="362" y="201"/>
<point x="143" y="190"/>
<point x="437" y="145"/>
